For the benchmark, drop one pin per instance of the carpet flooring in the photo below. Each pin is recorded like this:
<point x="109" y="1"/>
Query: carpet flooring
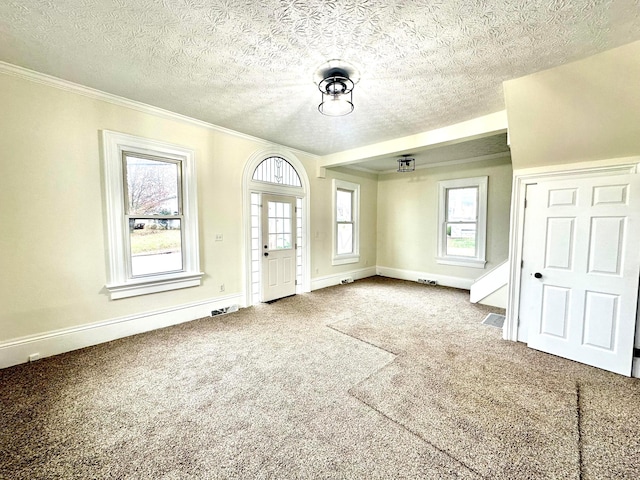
<point x="376" y="379"/>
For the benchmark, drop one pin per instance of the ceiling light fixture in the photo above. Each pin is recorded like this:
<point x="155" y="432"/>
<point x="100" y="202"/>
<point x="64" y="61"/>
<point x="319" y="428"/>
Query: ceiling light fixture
<point x="335" y="80"/>
<point x="406" y="164"/>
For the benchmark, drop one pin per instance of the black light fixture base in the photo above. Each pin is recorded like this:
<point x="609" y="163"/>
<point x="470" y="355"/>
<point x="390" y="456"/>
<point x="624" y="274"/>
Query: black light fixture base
<point x="335" y="80"/>
<point x="406" y="164"/>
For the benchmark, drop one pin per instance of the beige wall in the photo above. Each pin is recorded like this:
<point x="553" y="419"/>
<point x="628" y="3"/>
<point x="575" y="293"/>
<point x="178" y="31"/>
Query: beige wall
<point x="583" y="111"/>
<point x="53" y="260"/>
<point x="408" y="217"/>
<point x="322" y="221"/>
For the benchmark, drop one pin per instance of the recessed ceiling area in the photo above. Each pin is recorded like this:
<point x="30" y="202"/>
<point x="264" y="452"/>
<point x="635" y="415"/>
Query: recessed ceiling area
<point x="248" y="65"/>
<point x="478" y="149"/>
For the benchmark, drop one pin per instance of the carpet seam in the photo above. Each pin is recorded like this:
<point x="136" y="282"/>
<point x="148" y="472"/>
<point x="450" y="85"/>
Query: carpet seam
<point x="415" y="434"/>
<point x="579" y="421"/>
<point x="392" y="420"/>
<point x="404" y="427"/>
<point x="335" y="329"/>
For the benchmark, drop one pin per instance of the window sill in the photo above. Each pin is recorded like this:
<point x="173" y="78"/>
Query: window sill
<point x="154" y="285"/>
<point x="345" y="259"/>
<point x="461" y="262"/>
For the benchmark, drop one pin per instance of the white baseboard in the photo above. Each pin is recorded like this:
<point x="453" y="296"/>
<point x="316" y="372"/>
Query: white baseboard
<point x="55" y="342"/>
<point x="336" y="279"/>
<point x="445" y="280"/>
<point x="635" y="368"/>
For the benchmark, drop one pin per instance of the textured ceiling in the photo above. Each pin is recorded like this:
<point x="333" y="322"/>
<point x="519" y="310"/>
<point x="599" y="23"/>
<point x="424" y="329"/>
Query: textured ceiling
<point x="477" y="149"/>
<point x="248" y="65"/>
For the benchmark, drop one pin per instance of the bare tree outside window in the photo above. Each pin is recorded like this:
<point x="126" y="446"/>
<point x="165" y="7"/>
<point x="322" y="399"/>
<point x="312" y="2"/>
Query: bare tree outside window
<point x="152" y="187"/>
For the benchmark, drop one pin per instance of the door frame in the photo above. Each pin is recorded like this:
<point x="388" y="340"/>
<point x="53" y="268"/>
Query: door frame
<point x="524" y="177"/>
<point x="250" y="186"/>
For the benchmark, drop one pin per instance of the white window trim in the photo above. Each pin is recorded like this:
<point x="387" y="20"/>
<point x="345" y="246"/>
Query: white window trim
<point x="354" y="257"/>
<point x="479" y="261"/>
<point x="119" y="284"/>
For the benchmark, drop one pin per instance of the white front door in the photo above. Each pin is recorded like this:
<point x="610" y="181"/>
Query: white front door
<point x="278" y="247"/>
<point x="581" y="262"/>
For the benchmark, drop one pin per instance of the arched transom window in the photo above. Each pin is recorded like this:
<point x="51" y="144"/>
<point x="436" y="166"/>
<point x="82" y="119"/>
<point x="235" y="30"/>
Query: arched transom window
<point x="278" y="171"/>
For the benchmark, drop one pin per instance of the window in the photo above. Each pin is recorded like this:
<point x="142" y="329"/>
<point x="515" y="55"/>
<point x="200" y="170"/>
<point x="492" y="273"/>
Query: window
<point x="278" y="171"/>
<point x="346" y="204"/>
<point x="462" y="222"/>
<point x="151" y="216"/>
<point x="279" y="220"/>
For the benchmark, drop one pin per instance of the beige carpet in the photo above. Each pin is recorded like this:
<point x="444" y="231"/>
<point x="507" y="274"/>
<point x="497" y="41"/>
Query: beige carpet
<point x="375" y="379"/>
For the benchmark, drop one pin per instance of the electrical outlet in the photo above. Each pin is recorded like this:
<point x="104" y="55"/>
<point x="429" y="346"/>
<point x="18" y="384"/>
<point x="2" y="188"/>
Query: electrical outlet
<point x="218" y="237"/>
<point x="222" y="287"/>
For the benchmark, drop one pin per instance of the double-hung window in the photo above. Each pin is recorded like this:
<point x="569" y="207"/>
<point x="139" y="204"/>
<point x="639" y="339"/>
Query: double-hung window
<point x="462" y="222"/>
<point x="346" y="206"/>
<point x="151" y="217"/>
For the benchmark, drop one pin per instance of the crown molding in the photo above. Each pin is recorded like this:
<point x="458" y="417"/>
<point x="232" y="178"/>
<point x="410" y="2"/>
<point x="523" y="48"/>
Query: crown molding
<point x="66" y="85"/>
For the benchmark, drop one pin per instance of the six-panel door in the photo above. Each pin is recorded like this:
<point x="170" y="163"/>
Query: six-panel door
<point x="580" y="273"/>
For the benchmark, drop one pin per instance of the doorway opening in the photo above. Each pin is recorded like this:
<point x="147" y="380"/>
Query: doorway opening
<point x="276" y="222"/>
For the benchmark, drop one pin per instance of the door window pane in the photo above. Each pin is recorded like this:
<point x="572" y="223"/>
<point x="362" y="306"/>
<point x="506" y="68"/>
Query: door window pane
<point x="461" y="239"/>
<point x="152" y="186"/>
<point x="279" y="223"/>
<point x="156" y="246"/>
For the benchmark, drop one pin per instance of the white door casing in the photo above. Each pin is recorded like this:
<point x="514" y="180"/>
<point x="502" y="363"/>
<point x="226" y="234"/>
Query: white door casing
<point x="250" y="187"/>
<point x="278" y="235"/>
<point x="582" y="237"/>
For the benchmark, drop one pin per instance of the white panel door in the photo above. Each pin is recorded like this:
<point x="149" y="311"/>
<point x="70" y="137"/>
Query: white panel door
<point x="581" y="262"/>
<point x="279" y="247"/>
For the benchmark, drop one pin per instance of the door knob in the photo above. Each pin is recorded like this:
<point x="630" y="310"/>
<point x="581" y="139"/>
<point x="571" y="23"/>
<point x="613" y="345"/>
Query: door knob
<point x="537" y="275"/>
<point x="266" y="254"/>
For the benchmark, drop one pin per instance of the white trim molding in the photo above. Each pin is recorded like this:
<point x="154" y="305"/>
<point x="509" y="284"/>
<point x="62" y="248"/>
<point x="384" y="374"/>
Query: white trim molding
<point x="120" y="282"/>
<point x="14" y="352"/>
<point x="249" y="186"/>
<point x="490" y="282"/>
<point x="413" y="275"/>
<point x="66" y="85"/>
<point x="354" y="255"/>
<point x="337" y="278"/>
<point x="481" y="184"/>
